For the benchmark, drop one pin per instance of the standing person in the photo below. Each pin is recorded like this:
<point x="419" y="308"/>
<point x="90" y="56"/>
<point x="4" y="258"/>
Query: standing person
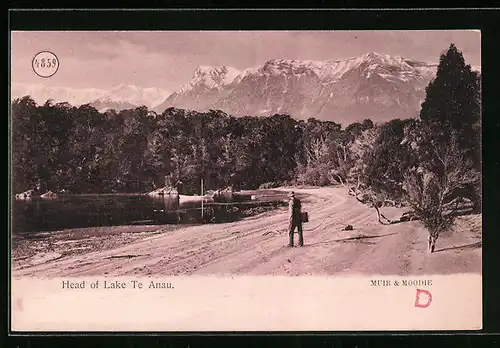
<point x="294" y="210"/>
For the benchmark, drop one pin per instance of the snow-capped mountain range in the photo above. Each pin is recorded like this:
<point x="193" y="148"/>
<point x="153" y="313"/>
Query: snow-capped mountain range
<point x="373" y="85"/>
<point x="119" y="98"/>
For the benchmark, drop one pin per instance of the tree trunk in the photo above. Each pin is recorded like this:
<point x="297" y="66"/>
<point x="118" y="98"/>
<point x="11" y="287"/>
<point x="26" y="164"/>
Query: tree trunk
<point x="378" y="214"/>
<point x="340" y="179"/>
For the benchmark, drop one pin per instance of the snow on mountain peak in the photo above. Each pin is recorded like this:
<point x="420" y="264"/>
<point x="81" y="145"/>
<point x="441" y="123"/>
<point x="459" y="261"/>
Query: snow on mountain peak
<point x="121" y="92"/>
<point x="77" y="96"/>
<point x="374" y="59"/>
<point x="211" y="77"/>
<point x="126" y="88"/>
<point x="41" y="93"/>
<point x="331" y="88"/>
<point x="205" y="69"/>
<point x="334" y="69"/>
<point x="375" y="84"/>
<point x="295" y="67"/>
<point x="378" y="56"/>
<point x="135" y="95"/>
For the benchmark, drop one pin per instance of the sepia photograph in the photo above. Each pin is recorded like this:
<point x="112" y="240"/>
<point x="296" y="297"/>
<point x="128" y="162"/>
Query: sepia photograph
<point x="164" y="155"/>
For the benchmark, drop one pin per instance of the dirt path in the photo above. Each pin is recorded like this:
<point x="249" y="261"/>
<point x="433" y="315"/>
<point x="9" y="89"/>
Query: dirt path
<point x="257" y="246"/>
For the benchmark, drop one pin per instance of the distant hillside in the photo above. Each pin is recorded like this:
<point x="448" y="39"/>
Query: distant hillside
<point x="373" y="85"/>
<point x="118" y="98"/>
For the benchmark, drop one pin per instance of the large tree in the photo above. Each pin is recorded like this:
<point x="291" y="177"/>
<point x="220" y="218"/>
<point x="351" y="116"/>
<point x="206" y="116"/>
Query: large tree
<point x="453" y="102"/>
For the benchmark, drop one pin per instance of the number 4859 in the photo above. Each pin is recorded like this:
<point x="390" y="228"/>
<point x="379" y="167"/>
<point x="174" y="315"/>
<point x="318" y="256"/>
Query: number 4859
<point x="45" y="63"/>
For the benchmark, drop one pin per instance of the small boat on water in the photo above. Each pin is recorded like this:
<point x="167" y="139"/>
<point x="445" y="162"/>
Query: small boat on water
<point x="172" y="193"/>
<point x="49" y="194"/>
<point x="25" y="195"/>
<point x="225" y="194"/>
<point x="36" y="194"/>
<point x="164" y="191"/>
<point x="186" y="198"/>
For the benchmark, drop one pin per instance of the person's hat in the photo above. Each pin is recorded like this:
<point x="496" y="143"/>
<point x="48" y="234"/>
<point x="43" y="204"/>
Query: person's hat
<point x="292" y="194"/>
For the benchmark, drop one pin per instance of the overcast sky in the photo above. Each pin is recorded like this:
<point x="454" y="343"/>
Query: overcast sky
<point x="168" y="59"/>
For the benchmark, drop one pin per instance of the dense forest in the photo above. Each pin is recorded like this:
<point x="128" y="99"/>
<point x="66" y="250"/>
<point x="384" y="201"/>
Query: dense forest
<point x="81" y="150"/>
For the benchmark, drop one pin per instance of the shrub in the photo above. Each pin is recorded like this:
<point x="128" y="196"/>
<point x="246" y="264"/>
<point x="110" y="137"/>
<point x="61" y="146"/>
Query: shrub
<point x="318" y="176"/>
<point x="433" y="189"/>
<point x="270" y="185"/>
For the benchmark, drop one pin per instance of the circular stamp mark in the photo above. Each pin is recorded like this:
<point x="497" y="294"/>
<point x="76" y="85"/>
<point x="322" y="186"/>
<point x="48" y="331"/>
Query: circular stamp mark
<point x="45" y="64"/>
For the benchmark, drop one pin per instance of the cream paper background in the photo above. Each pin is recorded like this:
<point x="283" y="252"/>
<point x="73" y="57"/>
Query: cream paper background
<point x="270" y="303"/>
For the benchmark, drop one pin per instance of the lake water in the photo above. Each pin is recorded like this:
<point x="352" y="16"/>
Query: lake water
<point x="78" y="211"/>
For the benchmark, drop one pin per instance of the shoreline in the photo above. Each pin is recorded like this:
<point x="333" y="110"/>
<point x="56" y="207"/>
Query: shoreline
<point x="81" y="240"/>
<point x="256" y="245"/>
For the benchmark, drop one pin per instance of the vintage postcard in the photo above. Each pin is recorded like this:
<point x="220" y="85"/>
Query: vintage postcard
<point x="246" y="180"/>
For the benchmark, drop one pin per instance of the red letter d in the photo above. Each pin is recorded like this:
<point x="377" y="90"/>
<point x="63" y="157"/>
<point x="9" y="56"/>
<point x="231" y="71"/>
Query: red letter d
<point x="429" y="299"/>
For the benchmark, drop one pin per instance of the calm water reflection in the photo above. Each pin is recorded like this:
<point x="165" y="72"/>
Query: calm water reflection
<point x="76" y="211"/>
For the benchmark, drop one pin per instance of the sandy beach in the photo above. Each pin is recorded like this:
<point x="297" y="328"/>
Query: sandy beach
<point x="257" y="246"/>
